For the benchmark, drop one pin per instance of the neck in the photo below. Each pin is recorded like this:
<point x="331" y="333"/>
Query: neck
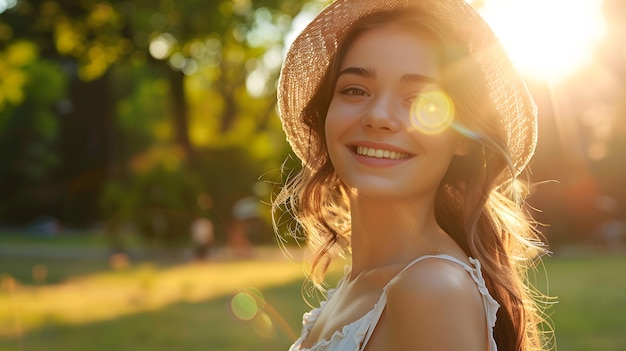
<point x="386" y="232"/>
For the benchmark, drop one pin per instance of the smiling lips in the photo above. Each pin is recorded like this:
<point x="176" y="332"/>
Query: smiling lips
<point x="380" y="153"/>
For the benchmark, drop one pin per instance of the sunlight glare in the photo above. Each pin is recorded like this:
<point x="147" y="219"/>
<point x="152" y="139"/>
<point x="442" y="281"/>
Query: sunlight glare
<point x="547" y="39"/>
<point x="432" y="112"/>
<point x="7" y="4"/>
<point x="256" y="82"/>
<point x="161" y="46"/>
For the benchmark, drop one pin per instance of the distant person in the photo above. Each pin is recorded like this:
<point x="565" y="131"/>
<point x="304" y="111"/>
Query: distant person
<point x="245" y="213"/>
<point x="413" y="128"/>
<point x="238" y="241"/>
<point x="202" y="237"/>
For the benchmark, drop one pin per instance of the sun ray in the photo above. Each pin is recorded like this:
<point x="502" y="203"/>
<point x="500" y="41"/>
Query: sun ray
<point x="547" y="39"/>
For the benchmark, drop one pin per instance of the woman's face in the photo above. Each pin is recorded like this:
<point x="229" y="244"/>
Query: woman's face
<point x="388" y="124"/>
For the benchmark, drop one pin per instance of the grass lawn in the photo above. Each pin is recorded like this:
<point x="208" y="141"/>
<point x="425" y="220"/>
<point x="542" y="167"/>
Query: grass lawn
<point x="81" y="240"/>
<point x="591" y="309"/>
<point x="243" y="305"/>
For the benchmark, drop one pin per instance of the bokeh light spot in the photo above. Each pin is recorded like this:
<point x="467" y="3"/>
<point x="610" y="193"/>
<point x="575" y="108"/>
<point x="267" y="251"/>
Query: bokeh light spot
<point x="7" y="4"/>
<point x="256" y="293"/>
<point x="161" y="46"/>
<point x="244" y="306"/>
<point x="432" y="112"/>
<point x="262" y="325"/>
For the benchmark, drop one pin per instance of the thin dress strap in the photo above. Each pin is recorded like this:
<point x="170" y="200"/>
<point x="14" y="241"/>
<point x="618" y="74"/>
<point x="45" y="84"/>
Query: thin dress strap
<point x="491" y="305"/>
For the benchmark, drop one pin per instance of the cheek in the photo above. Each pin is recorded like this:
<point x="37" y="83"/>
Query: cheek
<point x="447" y="150"/>
<point x="336" y="127"/>
<point x="446" y="141"/>
<point x="336" y="120"/>
<point x="342" y="115"/>
<point x="442" y="147"/>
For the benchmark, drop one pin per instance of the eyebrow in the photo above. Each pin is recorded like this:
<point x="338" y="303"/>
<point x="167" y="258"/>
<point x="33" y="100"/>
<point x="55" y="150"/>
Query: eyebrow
<point x="359" y="71"/>
<point x="407" y="78"/>
<point x="418" y="78"/>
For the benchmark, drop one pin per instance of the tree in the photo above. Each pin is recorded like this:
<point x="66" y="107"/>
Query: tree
<point x="146" y="77"/>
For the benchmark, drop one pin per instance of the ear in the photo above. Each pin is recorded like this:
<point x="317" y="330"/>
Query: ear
<point x="464" y="147"/>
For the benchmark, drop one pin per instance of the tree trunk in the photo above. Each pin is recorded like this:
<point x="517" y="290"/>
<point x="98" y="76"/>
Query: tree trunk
<point x="180" y="113"/>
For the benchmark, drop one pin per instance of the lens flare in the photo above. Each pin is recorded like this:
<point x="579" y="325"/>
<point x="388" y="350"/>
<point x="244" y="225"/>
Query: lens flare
<point x="247" y="304"/>
<point x="262" y="325"/>
<point x="244" y="306"/>
<point x="432" y="112"/>
<point x="466" y="132"/>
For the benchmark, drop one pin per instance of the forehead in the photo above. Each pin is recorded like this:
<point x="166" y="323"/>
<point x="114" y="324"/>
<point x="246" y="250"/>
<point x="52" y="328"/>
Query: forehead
<point x="393" y="48"/>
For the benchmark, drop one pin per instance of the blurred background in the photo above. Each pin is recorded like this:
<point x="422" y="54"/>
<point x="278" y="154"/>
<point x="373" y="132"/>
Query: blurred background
<point x="140" y="145"/>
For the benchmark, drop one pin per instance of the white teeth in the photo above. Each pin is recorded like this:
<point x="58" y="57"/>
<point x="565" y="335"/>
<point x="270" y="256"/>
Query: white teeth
<point x="378" y="153"/>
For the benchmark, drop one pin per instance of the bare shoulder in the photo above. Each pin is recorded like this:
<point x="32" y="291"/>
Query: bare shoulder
<point x="435" y="305"/>
<point x="433" y="279"/>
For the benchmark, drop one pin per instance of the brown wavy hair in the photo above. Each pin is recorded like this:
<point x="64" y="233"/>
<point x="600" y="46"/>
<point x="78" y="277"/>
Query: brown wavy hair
<point x="480" y="202"/>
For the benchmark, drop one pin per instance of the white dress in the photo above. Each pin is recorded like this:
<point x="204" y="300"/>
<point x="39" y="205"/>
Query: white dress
<point x="354" y="336"/>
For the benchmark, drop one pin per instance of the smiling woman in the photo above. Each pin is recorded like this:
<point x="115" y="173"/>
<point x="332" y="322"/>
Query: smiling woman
<point x="547" y="39"/>
<point x="412" y="127"/>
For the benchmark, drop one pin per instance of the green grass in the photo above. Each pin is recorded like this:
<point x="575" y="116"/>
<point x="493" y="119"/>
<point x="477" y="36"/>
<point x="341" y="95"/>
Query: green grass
<point x="591" y="309"/>
<point x="209" y="325"/>
<point x="57" y="269"/>
<point x="96" y="239"/>
<point x="190" y="306"/>
<point x="71" y="240"/>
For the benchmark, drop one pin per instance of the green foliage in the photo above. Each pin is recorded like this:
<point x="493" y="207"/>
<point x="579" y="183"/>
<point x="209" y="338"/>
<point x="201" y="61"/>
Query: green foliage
<point x="164" y="194"/>
<point x="191" y="96"/>
<point x="158" y="201"/>
<point x="13" y="62"/>
<point x="143" y="105"/>
<point x="29" y="131"/>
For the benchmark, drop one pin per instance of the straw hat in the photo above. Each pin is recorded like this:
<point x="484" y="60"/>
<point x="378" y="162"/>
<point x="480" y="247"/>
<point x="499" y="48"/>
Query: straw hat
<point x="310" y="54"/>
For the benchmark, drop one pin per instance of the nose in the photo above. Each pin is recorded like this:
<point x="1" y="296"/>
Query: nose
<point x="381" y="116"/>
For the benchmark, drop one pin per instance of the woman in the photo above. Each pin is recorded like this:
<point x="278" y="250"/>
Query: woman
<point x="413" y="128"/>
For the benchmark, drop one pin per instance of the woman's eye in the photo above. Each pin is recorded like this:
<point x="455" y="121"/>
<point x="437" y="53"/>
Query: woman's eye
<point x="354" y="92"/>
<point x="411" y="98"/>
